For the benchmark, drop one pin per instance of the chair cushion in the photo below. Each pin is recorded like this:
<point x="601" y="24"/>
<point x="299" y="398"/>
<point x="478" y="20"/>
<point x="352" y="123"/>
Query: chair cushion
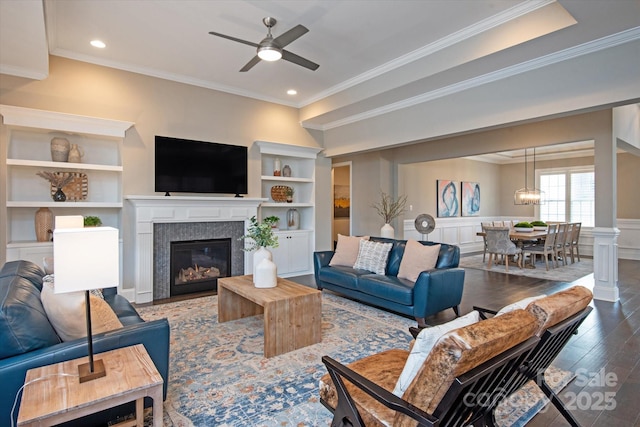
<point x="346" y="250"/>
<point x="373" y="256"/>
<point x="461" y="350"/>
<point x="555" y="308"/>
<point x="417" y="258"/>
<point x="389" y="288"/>
<point x="381" y="368"/>
<point x="519" y="305"/>
<point x="423" y="345"/>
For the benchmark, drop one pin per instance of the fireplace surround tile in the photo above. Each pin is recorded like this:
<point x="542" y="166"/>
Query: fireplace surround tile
<point x="165" y="233"/>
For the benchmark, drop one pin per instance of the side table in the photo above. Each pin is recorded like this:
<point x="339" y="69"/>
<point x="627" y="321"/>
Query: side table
<point x="131" y="375"/>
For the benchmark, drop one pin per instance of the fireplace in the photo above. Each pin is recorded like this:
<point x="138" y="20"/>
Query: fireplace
<point x="196" y="265"/>
<point x="156" y="221"/>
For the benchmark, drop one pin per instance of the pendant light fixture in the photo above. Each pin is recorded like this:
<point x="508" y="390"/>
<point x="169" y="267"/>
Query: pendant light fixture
<point x="526" y="195"/>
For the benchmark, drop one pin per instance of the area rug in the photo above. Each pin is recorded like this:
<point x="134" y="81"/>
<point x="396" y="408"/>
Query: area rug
<point x="219" y="377"/>
<point x="564" y="273"/>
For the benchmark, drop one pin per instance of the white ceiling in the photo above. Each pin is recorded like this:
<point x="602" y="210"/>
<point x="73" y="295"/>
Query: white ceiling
<point x="372" y="54"/>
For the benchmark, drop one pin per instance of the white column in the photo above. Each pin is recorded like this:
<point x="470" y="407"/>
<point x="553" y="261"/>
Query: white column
<point x="605" y="263"/>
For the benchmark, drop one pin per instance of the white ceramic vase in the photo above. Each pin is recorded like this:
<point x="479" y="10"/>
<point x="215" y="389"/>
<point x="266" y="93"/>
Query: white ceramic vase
<point x="266" y="275"/>
<point x="387" y="231"/>
<point x="258" y="256"/>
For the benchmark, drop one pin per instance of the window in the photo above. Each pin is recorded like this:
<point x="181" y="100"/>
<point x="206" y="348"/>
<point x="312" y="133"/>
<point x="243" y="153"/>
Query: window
<point x="570" y="195"/>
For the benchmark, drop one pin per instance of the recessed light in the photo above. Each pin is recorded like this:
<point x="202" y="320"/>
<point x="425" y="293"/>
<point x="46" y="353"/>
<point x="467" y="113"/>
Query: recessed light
<point x="98" y="43"/>
<point x="292" y="92"/>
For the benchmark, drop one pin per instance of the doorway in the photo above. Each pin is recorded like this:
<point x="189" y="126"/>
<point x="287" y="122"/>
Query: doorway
<point x="341" y="183"/>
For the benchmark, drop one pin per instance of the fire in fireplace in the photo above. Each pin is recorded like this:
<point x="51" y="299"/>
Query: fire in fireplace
<point x="196" y="265"/>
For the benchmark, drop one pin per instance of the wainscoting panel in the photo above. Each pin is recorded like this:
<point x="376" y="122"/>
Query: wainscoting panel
<point x="462" y="232"/>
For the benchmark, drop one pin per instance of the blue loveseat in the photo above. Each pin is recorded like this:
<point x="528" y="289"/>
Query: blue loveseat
<point x="28" y="340"/>
<point x="434" y="291"/>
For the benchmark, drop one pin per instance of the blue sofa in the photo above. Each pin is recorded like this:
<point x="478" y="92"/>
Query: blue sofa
<point x="28" y="340"/>
<point x="434" y="291"/>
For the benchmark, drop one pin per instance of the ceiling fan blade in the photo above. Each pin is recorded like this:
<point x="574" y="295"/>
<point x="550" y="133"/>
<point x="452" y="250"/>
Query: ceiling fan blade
<point x="285" y="38"/>
<point x="224" y="36"/>
<point x="250" y="64"/>
<point x="292" y="57"/>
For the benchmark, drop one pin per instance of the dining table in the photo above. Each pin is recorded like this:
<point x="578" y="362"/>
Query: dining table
<point x="521" y="235"/>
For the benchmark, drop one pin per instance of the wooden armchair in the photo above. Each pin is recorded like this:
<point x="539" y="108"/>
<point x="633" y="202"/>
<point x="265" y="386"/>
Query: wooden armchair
<point x="459" y="383"/>
<point x="559" y="316"/>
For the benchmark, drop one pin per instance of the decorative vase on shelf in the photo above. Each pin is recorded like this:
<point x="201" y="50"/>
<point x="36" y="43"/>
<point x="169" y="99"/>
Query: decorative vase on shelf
<point x="276" y="167"/>
<point x="44" y="224"/>
<point x="59" y="195"/>
<point x="266" y="275"/>
<point x="286" y="170"/>
<point x="387" y="231"/>
<point x="60" y="149"/>
<point x="75" y="154"/>
<point x="258" y="256"/>
<point x="293" y="219"/>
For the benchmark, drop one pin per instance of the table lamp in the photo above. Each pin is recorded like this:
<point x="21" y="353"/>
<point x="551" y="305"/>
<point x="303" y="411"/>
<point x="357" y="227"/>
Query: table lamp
<point x="86" y="259"/>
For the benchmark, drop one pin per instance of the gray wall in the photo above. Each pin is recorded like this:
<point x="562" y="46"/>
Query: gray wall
<point x="417" y="170"/>
<point x="162" y="107"/>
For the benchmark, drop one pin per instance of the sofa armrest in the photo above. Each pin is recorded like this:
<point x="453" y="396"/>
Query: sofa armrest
<point x="436" y="290"/>
<point x="320" y="259"/>
<point x="154" y="335"/>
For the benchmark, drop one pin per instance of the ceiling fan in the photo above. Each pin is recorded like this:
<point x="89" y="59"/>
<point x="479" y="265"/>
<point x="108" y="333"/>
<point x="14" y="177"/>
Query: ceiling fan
<point x="272" y="49"/>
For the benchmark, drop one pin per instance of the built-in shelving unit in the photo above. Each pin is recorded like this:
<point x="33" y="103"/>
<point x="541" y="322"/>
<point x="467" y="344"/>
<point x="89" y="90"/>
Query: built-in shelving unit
<point x="26" y="140"/>
<point x="293" y="256"/>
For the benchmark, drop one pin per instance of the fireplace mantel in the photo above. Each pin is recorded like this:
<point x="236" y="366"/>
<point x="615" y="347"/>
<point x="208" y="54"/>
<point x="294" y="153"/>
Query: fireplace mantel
<point x="144" y="211"/>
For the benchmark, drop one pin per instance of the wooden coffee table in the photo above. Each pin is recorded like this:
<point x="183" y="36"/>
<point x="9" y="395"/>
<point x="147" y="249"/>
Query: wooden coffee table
<point x="292" y="312"/>
<point x="131" y="375"/>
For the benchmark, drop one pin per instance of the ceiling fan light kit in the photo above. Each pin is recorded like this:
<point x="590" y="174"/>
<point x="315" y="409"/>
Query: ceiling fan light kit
<point x="269" y="53"/>
<point x="271" y="49"/>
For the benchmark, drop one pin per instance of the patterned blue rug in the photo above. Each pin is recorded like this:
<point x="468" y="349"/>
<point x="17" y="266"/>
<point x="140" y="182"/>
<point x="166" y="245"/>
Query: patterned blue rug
<point x="219" y="377"/>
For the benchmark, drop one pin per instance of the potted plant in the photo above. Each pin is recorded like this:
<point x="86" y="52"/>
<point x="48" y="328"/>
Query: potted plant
<point x="92" y="221"/>
<point x="262" y="236"/>
<point x="389" y="209"/>
<point x="539" y="225"/>
<point x="289" y="193"/>
<point x="523" y="226"/>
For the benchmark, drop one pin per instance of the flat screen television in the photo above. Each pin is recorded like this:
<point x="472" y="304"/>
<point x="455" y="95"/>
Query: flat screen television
<point x="187" y="166"/>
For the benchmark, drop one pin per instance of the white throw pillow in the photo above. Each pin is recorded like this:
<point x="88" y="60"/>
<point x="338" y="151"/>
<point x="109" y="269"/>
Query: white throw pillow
<point x="66" y="312"/>
<point x="522" y="304"/>
<point x="416" y="259"/>
<point x="347" y="250"/>
<point x="425" y="341"/>
<point x="373" y="256"/>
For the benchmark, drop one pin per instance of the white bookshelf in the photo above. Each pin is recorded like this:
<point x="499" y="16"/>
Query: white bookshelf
<point x="26" y="139"/>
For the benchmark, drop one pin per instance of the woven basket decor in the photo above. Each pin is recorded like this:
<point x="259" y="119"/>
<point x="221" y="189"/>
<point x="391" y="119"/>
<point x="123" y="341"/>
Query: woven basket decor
<point x="279" y="193"/>
<point x="77" y="189"/>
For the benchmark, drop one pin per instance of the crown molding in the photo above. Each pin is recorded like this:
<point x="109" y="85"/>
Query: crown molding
<point x="448" y="41"/>
<point x="178" y="78"/>
<point x="607" y="42"/>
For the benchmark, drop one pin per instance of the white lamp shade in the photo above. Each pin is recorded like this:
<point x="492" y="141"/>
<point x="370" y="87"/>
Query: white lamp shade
<point x="69" y="221"/>
<point x="85" y="258"/>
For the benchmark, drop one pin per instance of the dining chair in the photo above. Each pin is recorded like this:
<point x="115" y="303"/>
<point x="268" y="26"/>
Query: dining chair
<point x="498" y="243"/>
<point x="573" y="242"/>
<point x="545" y="247"/>
<point x="561" y="241"/>
<point x="484" y="225"/>
<point x="498" y="223"/>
